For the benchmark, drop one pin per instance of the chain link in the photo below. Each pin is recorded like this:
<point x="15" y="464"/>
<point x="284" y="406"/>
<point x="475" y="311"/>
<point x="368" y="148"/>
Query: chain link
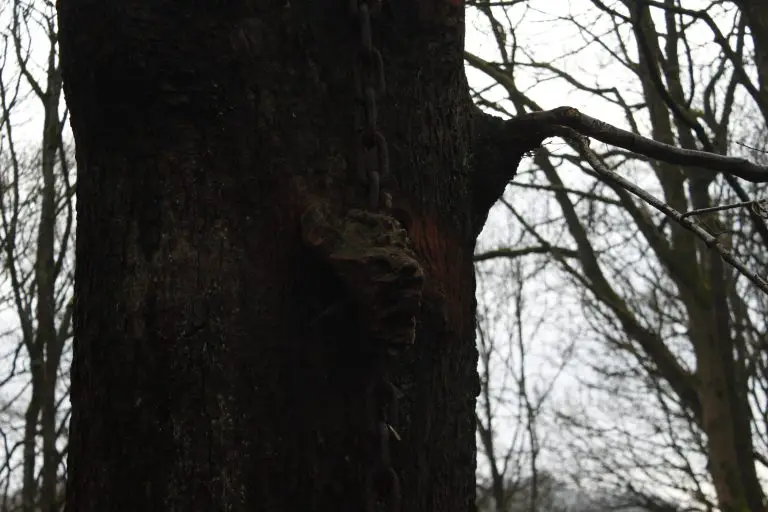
<point x="382" y="484"/>
<point x="382" y="480"/>
<point x="372" y="150"/>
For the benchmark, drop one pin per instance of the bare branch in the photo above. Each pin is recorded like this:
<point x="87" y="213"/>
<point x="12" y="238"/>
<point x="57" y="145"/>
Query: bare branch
<point x="711" y="241"/>
<point x="604" y="132"/>
<point x="508" y="253"/>
<point x="701" y="211"/>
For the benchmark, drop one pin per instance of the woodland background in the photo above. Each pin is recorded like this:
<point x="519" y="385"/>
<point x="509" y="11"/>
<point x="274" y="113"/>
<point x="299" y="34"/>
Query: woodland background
<point x="589" y="320"/>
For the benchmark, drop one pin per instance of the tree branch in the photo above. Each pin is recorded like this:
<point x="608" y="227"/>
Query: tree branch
<point x="604" y="132"/>
<point x="509" y="253"/>
<point x="498" y="145"/>
<point x="581" y="143"/>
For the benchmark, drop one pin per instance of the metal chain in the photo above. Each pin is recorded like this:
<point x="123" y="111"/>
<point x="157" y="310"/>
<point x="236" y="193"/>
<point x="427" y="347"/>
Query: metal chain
<point x="372" y="150"/>
<point x="381" y="480"/>
<point x="382" y="484"/>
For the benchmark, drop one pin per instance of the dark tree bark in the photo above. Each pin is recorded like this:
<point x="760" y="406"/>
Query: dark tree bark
<point x="218" y="361"/>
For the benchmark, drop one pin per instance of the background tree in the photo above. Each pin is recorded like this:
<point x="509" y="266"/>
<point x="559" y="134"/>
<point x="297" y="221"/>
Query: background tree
<point x="36" y="224"/>
<point x="512" y="397"/>
<point x="670" y="342"/>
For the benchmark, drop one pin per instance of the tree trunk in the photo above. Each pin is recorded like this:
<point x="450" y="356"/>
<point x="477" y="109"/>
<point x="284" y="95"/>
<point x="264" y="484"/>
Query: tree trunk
<point x="756" y="13"/>
<point x="218" y="361"/>
<point x="49" y="341"/>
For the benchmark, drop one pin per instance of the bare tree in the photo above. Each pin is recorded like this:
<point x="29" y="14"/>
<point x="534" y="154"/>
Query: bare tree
<point x="508" y="397"/>
<point x="36" y="235"/>
<point x="680" y="361"/>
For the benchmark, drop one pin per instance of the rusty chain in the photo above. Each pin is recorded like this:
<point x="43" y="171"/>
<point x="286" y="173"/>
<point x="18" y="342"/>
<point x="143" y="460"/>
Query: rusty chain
<point x="382" y="484"/>
<point x="372" y="150"/>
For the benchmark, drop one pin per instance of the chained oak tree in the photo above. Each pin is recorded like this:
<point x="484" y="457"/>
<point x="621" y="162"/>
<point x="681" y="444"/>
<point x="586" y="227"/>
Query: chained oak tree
<point x="243" y="269"/>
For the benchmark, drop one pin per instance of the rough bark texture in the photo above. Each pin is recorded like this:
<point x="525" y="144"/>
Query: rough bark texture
<point x="498" y="146"/>
<point x="217" y="362"/>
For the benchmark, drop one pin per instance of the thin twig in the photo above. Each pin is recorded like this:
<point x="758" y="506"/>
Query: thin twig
<point x="711" y="209"/>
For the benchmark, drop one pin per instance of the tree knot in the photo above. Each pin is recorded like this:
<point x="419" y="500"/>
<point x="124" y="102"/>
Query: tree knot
<point x="371" y="254"/>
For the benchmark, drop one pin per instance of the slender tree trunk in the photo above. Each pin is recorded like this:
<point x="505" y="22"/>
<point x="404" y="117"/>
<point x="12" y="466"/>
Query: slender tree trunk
<point x="46" y="289"/>
<point x="217" y="361"/>
<point x="31" y="416"/>
<point x="756" y="12"/>
<point x="724" y="419"/>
